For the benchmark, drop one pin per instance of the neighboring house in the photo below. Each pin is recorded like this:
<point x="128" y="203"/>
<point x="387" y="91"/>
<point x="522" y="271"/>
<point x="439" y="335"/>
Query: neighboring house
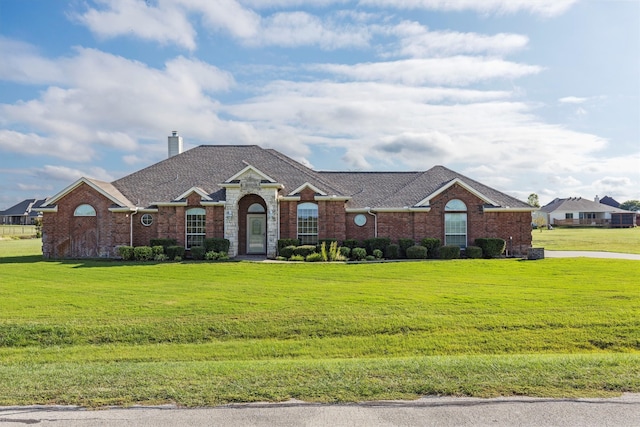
<point x="24" y="213"/>
<point x="610" y="201"/>
<point x="576" y="211"/>
<point x="254" y="196"/>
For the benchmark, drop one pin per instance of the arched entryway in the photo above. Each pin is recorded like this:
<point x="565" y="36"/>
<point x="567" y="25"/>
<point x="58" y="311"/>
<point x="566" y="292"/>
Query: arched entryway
<point x="252" y="225"/>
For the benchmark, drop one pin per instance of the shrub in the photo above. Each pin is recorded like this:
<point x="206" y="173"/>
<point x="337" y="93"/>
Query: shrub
<point x="165" y="243"/>
<point x="376" y="243"/>
<point x="314" y="257"/>
<point x="197" y="252"/>
<point x="211" y="256"/>
<point x="432" y="244"/>
<point x="417" y="252"/>
<point x="473" y="252"/>
<point x="126" y="252"/>
<point x="174" y="252"/>
<point x="327" y="242"/>
<point x="177" y="259"/>
<point x="304" y="250"/>
<point x="350" y="243"/>
<point x="296" y="258"/>
<point x="491" y="247"/>
<point x="143" y="253"/>
<point x="283" y="243"/>
<point x="287" y="251"/>
<point x="216" y="244"/>
<point x="345" y="251"/>
<point x="223" y="256"/>
<point x="157" y="250"/>
<point x="160" y="257"/>
<point x="358" y="254"/>
<point x="370" y="257"/>
<point x="392" y="251"/>
<point x="404" y="245"/>
<point x="377" y="253"/>
<point x="280" y="258"/>
<point x="449" y="252"/>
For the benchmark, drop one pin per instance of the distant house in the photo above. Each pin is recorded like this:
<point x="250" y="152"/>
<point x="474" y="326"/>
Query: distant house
<point x="576" y="211"/>
<point x="610" y="201"/>
<point x="254" y="196"/>
<point x="23" y="213"/>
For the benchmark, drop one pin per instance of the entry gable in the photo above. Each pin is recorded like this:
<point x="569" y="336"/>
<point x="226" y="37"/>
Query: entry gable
<point x="427" y="200"/>
<point x="309" y="186"/>
<point x="250" y="172"/>
<point x="199" y="191"/>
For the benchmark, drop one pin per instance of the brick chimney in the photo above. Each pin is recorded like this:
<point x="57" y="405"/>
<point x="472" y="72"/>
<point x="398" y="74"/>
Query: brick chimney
<point x="175" y="144"/>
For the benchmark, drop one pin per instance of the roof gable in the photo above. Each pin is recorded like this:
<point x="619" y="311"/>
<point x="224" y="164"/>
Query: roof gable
<point x="309" y="186"/>
<point x="249" y="171"/>
<point x="104" y="188"/>
<point x="456" y="181"/>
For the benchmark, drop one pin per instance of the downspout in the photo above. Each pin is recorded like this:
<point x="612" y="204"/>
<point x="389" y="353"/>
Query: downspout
<point x="135" y="211"/>
<point x="375" y="221"/>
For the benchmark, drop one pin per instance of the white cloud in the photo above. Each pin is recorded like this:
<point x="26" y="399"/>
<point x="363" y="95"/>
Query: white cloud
<point x="572" y="100"/>
<point x="450" y="71"/>
<point x="66" y="174"/>
<point x="547" y="8"/>
<point x="416" y="41"/>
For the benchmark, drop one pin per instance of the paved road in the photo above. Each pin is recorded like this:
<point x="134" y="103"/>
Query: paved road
<point x="589" y="254"/>
<point x="430" y="411"/>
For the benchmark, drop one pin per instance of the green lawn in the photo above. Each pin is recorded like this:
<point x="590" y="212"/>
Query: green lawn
<point x="104" y="332"/>
<point x="11" y="231"/>
<point x="626" y="240"/>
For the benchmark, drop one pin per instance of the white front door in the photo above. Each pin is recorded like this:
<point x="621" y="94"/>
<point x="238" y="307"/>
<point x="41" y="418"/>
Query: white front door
<point x="256" y="234"/>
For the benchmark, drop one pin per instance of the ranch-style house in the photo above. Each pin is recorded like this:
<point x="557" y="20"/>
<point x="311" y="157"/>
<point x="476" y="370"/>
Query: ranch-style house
<point x="254" y="196"/>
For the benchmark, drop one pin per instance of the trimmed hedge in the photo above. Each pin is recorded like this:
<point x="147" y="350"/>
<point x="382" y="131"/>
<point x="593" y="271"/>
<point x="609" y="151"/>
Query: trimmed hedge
<point x="174" y="251"/>
<point x="197" y="252"/>
<point x="283" y="243"/>
<point x="404" y="245"/>
<point x="473" y="252"/>
<point x="314" y="257"/>
<point x="491" y="247"/>
<point x="350" y="243"/>
<point x="377" y="253"/>
<point x="432" y="244"/>
<point x="143" y="253"/>
<point x="165" y="243"/>
<point x="392" y="251"/>
<point x="449" y="252"/>
<point x="380" y="243"/>
<point x="126" y="252"/>
<point x="304" y="250"/>
<point x="417" y="252"/>
<point x="158" y="250"/>
<point x="287" y="251"/>
<point x="345" y="251"/>
<point x="358" y="254"/>
<point x="216" y="244"/>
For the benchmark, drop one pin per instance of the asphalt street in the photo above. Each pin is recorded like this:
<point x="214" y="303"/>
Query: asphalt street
<point x="429" y="411"/>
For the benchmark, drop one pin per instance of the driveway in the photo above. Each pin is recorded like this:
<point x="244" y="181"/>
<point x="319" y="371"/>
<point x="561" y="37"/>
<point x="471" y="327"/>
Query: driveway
<point x="429" y="411"/>
<point x="589" y="254"/>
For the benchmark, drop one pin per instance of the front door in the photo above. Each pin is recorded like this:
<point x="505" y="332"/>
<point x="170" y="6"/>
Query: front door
<point x="256" y="234"/>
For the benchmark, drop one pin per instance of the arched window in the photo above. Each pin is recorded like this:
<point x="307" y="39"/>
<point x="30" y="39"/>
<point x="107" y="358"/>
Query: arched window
<point x="455" y="223"/>
<point x="84" y="210"/>
<point x="196" y="229"/>
<point x="146" y="219"/>
<point x="308" y="223"/>
<point x="256" y="208"/>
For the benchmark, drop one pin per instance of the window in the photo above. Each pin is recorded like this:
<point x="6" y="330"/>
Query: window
<point x="256" y="208"/>
<point x="84" y="210"/>
<point x="360" y="220"/>
<point x="146" y="220"/>
<point x="308" y="223"/>
<point x="587" y="215"/>
<point x="195" y="227"/>
<point x="568" y="216"/>
<point x="455" y="223"/>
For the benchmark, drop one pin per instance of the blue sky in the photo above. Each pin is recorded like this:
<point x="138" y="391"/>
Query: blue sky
<point x="524" y="95"/>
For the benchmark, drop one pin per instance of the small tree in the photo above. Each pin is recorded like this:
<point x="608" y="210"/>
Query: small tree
<point x="630" y="205"/>
<point x="533" y="200"/>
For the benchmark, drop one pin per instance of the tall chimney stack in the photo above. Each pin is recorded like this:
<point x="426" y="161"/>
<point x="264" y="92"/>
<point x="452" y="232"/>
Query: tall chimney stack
<point x="175" y="144"/>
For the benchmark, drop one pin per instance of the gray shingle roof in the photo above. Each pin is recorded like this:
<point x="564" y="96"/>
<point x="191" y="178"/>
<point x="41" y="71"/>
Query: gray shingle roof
<point x="25" y="207"/>
<point x="207" y="166"/>
<point x="578" y="204"/>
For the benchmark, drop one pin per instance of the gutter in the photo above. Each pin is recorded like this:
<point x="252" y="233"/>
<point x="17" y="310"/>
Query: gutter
<point x="375" y="221"/>
<point x="135" y="211"/>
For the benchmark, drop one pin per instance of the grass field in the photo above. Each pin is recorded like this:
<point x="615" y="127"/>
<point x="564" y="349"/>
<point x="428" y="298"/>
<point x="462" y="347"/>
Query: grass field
<point x="103" y="332"/>
<point x="626" y="240"/>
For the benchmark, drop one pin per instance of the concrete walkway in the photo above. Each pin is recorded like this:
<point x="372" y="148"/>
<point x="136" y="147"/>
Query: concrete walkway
<point x="589" y="254"/>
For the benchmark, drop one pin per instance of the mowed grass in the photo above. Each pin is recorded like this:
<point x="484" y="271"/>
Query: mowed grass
<point x="104" y="332"/>
<point x="625" y="240"/>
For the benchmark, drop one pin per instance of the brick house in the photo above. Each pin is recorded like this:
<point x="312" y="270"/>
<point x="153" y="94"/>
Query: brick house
<point x="254" y="196"/>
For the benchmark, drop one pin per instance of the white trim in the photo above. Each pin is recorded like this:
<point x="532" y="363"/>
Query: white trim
<point x="141" y="210"/>
<point x="169" y="203"/>
<point x="52" y="209"/>
<point x="426" y="201"/>
<point x="332" y="198"/>
<point x="308" y="185"/>
<point x="79" y="182"/>
<point x="248" y="168"/>
<point x="230" y="185"/>
<point x="386" y="210"/>
<point x="508" y="209"/>
<point x="289" y="198"/>
<point x="199" y="191"/>
<point x="220" y="203"/>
